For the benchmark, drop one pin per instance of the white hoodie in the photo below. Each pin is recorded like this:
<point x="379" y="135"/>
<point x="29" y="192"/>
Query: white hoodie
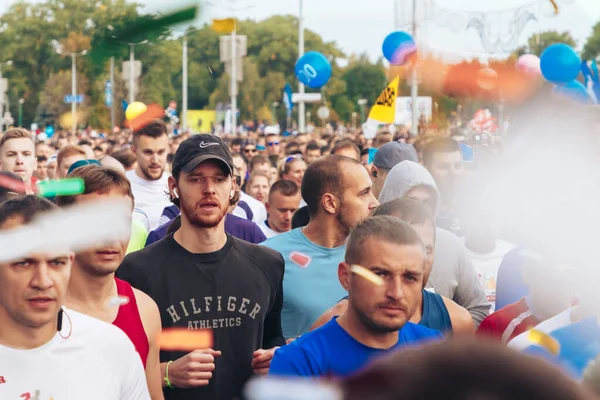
<point x="453" y="274"/>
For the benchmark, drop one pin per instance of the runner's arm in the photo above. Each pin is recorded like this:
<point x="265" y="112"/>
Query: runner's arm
<point x="462" y="322"/>
<point x="152" y="325"/>
<point x="469" y="293"/>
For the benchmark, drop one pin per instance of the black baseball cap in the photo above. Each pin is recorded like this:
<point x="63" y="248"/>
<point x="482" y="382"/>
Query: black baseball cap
<point x="199" y="148"/>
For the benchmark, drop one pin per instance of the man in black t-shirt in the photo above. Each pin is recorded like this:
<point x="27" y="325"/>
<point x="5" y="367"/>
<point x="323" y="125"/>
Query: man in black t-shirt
<point x="202" y="278"/>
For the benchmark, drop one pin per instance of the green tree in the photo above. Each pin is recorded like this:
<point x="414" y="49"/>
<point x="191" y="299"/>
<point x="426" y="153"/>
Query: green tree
<point x="364" y="80"/>
<point x="591" y="50"/>
<point x="537" y="43"/>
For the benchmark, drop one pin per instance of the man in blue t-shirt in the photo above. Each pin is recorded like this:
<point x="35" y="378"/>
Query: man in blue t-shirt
<point x="337" y="191"/>
<point x="383" y="273"/>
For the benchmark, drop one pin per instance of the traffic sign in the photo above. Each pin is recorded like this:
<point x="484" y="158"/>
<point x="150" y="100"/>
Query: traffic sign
<point x="74" y="99"/>
<point x="108" y="94"/>
<point x="306" y="97"/>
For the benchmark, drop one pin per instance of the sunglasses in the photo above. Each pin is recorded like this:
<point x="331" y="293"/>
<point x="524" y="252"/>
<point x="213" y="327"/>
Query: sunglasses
<point x="249" y="150"/>
<point x="294" y="157"/>
<point x="271" y="144"/>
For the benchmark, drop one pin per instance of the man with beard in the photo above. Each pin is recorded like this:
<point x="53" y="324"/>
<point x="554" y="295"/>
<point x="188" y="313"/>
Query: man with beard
<point x="203" y="278"/>
<point x="93" y="283"/>
<point x="337" y="191"/>
<point x="377" y="318"/>
<point x="443" y="159"/>
<point x="148" y="180"/>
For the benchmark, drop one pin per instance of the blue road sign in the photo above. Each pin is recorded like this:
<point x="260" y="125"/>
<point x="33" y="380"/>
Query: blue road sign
<point x="74" y="99"/>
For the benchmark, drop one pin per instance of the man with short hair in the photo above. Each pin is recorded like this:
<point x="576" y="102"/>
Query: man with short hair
<point x="259" y="164"/>
<point x="93" y="283"/>
<point x="149" y="180"/>
<point x="313" y="152"/>
<point x="346" y="148"/>
<point x="46" y="350"/>
<point x="337" y="191"/>
<point x="386" y="158"/>
<point x="41" y="173"/>
<point x="68" y="156"/>
<point x="443" y="159"/>
<point x="249" y="149"/>
<point x="44" y="149"/>
<point x="377" y="318"/>
<point x="453" y="274"/>
<point x="433" y="311"/>
<point x="284" y="200"/>
<point x="203" y="278"/>
<point x="273" y="144"/>
<point x="17" y="154"/>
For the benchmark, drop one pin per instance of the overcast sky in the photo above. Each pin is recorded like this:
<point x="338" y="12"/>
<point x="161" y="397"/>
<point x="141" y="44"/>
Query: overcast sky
<point x="361" y="25"/>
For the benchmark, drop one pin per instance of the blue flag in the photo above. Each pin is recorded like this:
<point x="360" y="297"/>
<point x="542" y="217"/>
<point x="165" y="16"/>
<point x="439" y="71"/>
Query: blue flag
<point x="287" y="97"/>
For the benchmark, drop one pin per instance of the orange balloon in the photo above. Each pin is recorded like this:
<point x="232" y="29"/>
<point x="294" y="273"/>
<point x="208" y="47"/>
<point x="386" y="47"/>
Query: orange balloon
<point x="487" y="78"/>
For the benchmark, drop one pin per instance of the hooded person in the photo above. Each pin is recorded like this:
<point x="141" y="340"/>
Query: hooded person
<point x="453" y="274"/>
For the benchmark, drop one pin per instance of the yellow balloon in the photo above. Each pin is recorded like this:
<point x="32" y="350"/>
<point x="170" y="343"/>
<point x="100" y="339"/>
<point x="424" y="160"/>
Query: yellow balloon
<point x="135" y="109"/>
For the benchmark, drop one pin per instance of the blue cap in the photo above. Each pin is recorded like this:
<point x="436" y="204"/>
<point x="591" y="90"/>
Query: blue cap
<point x="81" y="163"/>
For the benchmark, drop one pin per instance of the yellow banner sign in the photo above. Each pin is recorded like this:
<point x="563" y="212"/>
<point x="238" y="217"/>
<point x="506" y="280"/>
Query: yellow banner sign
<point x="384" y="110"/>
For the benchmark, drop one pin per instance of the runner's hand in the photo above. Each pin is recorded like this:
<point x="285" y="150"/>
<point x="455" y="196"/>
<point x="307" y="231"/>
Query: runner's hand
<point x="194" y="369"/>
<point x="261" y="360"/>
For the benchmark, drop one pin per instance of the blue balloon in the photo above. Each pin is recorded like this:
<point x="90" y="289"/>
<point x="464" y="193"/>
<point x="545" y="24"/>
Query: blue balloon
<point x="313" y="69"/>
<point x="398" y="47"/>
<point x="560" y="63"/>
<point x="49" y="131"/>
<point x="574" y="90"/>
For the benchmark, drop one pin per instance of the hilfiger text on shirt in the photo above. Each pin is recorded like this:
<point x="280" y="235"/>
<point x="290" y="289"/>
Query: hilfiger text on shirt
<point x="226" y="305"/>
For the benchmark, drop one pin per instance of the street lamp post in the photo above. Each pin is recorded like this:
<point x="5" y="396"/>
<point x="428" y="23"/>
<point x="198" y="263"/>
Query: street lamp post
<point x="2" y="99"/>
<point x="21" y="101"/>
<point x="184" y="89"/>
<point x="234" y="65"/>
<point x="60" y="50"/>
<point x="414" y="79"/>
<point x="301" y="111"/>
<point x="274" y="106"/>
<point x="362" y="103"/>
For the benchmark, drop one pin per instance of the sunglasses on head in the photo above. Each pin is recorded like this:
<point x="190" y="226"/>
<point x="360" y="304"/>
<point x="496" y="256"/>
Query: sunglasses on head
<point x="293" y="157"/>
<point x="271" y="144"/>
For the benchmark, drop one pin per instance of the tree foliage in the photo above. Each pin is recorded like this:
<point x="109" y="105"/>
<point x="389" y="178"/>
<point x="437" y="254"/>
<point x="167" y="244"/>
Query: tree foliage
<point x="41" y="76"/>
<point x="537" y="43"/>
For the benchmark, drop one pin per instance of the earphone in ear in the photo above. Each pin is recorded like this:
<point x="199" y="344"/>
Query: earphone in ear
<point x="232" y="193"/>
<point x="175" y="193"/>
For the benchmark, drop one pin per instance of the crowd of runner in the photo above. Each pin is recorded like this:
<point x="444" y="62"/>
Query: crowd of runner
<point x="306" y="255"/>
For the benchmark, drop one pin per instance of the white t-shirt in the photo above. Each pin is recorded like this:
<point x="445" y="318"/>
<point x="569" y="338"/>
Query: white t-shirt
<point x="258" y="208"/>
<point x="150" y="196"/>
<point x="269" y="233"/>
<point x="96" y="362"/>
<point x="486" y="265"/>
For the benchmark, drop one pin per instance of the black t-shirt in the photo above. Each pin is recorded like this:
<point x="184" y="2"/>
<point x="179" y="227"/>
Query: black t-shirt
<point x="236" y="291"/>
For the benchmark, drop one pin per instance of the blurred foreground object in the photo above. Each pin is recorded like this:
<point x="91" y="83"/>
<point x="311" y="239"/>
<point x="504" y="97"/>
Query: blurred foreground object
<point x="488" y="372"/>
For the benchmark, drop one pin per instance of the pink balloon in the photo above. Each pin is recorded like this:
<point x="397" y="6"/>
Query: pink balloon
<point x="529" y="64"/>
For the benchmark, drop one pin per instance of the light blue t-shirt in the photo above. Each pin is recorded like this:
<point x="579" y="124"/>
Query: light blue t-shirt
<point x="310" y="282"/>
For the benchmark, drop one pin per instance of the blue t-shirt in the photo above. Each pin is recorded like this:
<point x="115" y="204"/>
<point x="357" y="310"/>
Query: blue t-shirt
<point x="310" y="283"/>
<point x="331" y="351"/>
<point x="579" y="345"/>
